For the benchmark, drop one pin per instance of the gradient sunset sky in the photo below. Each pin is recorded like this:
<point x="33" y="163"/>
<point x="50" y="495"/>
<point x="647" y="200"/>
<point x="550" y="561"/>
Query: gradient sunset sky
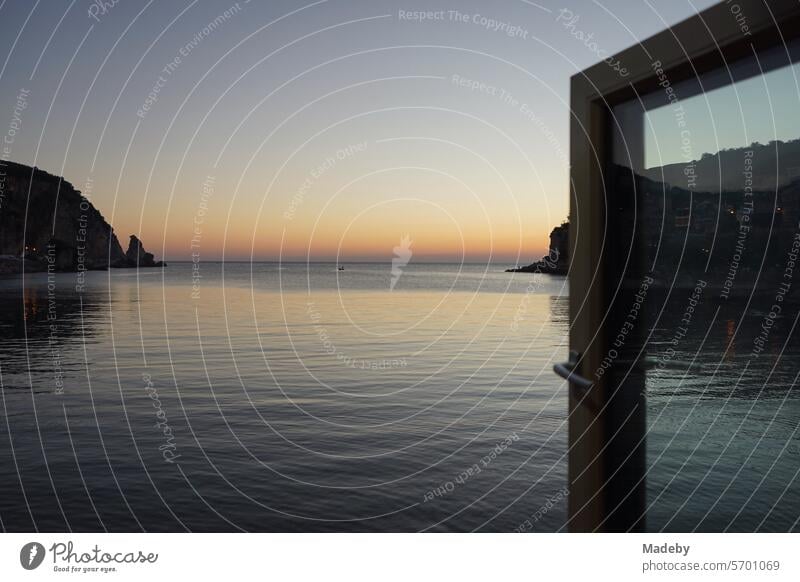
<point x="320" y="129"/>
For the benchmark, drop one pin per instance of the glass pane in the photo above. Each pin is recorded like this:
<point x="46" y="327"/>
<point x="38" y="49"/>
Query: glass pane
<point x="704" y="207"/>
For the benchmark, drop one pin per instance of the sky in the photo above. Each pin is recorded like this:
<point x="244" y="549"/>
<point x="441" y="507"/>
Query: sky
<point x="321" y="129"/>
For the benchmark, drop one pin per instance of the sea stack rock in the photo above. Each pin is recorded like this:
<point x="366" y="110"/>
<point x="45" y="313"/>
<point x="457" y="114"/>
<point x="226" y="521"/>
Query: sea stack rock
<point x="138" y="257"/>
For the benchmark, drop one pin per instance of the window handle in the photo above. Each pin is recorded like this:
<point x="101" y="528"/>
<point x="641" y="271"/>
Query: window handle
<point x="567" y="371"/>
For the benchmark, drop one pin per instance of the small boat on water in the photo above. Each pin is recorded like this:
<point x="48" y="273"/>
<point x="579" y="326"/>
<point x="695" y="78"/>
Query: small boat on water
<point x="341" y="268"/>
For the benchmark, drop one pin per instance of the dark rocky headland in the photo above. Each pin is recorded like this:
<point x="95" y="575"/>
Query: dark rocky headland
<point x="557" y="260"/>
<point x="46" y="224"/>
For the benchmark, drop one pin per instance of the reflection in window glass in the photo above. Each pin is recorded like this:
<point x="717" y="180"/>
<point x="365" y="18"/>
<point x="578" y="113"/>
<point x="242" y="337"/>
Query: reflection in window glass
<point x="705" y="209"/>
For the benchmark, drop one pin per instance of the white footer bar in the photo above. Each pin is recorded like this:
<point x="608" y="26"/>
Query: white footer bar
<point x="400" y="557"/>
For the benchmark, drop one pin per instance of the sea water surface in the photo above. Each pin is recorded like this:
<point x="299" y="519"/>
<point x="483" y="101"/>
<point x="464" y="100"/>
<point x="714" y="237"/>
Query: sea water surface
<point x="283" y="397"/>
<point x="295" y="397"/>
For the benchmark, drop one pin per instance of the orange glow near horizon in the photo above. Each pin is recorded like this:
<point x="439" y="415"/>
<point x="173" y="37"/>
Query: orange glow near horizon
<point x="359" y="244"/>
<point x="445" y="222"/>
<point x="434" y="238"/>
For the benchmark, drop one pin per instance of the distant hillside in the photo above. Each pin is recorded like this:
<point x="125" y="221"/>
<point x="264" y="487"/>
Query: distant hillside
<point x="767" y="172"/>
<point x="45" y="221"/>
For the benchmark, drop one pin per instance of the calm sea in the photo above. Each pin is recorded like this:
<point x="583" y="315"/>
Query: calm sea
<point x="296" y="397"/>
<point x="290" y="397"/>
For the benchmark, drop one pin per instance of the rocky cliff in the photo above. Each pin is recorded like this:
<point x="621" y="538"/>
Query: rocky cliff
<point x="557" y="260"/>
<point x="45" y="220"/>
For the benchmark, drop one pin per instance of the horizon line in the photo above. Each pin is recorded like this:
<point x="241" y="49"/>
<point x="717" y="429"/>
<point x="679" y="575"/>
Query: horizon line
<point x="333" y="262"/>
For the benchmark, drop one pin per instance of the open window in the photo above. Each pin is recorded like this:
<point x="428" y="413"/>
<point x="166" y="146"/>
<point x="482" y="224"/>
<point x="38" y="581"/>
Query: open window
<point x="684" y="293"/>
